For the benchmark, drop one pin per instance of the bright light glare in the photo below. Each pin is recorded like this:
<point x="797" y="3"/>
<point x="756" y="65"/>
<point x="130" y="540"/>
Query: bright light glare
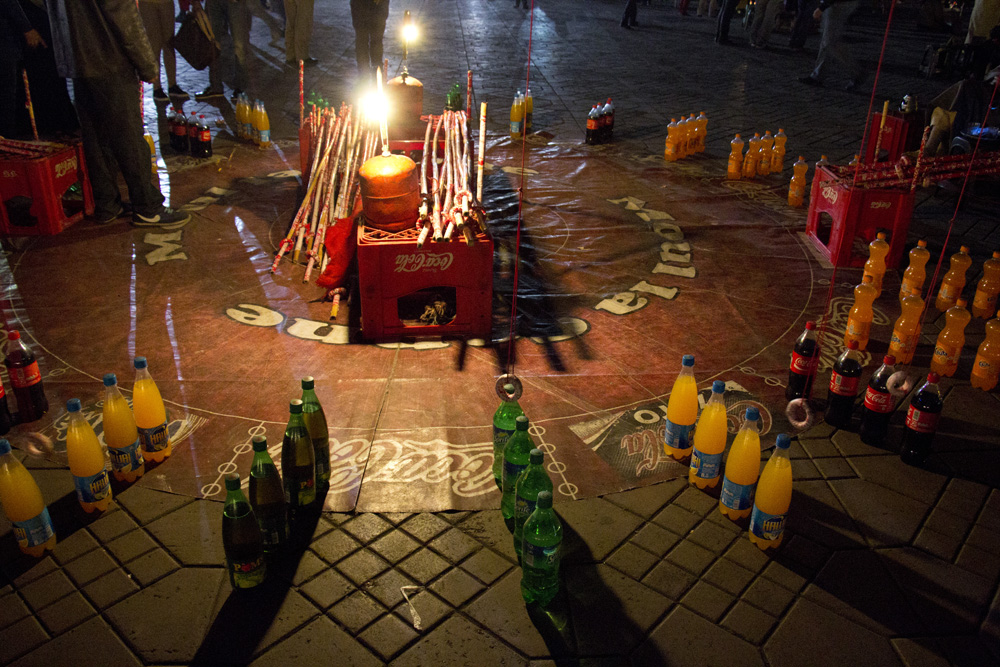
<point x="409" y="32"/>
<point x="375" y="106"/>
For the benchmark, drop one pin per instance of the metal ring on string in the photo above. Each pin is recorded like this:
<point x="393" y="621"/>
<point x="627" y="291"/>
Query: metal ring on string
<point x="511" y="379"/>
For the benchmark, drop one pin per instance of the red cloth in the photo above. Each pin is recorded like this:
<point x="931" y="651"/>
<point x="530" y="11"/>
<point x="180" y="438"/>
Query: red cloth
<point x="341" y="244"/>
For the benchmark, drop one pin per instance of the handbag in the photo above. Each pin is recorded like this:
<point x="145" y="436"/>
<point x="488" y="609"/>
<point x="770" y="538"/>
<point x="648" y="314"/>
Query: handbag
<point x="195" y="40"/>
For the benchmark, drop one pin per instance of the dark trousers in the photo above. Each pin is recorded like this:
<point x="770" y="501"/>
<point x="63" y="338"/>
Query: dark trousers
<point x="111" y="125"/>
<point x="725" y="16"/>
<point x="9" y="75"/>
<point x="628" y="18"/>
<point x="803" y="23"/>
<point x="369" y="19"/>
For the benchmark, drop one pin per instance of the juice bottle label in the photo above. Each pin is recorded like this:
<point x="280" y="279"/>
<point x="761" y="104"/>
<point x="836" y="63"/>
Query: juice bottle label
<point x="984" y="301"/>
<point x="706" y="466"/>
<point x="322" y="447"/>
<point x="948" y="291"/>
<point x="901" y="345"/>
<point x="736" y="496"/>
<point x="858" y="329"/>
<point x="677" y="436"/>
<point x="523" y="509"/>
<point x="542" y="558"/>
<point x="511" y="472"/>
<point x="766" y="526"/>
<point x="34" y="531"/>
<point x="25" y="377"/>
<point x="515" y="126"/>
<point x="126" y="459"/>
<point x="946" y="355"/>
<point x="801" y="365"/>
<point x="920" y="421"/>
<point x="982" y="367"/>
<point x="272" y="528"/>
<point x="879" y="401"/>
<point x="265" y="136"/>
<point x="248" y="129"/>
<point x="844" y="386"/>
<point x="92" y="488"/>
<point x="591" y="124"/>
<point x="247" y="574"/>
<point x="154" y="439"/>
<point x="300" y="492"/>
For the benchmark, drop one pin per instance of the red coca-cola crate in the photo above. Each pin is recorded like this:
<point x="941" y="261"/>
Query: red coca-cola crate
<point x="441" y="289"/>
<point x="33" y="192"/>
<point x="893" y="142"/>
<point x="855" y="216"/>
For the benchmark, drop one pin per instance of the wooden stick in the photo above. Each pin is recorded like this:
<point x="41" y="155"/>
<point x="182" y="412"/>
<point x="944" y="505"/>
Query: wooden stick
<point x="881" y="130"/>
<point x="29" y="105"/>
<point x="482" y="151"/>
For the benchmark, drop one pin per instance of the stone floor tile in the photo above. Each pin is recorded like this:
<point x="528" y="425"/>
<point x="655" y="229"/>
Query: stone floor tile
<point x="387" y="636"/>
<point x="335" y="546"/>
<point x="12" y="610"/>
<point x="811" y="555"/>
<point x="941" y="545"/>
<point x="66" y="613"/>
<point x="990" y="515"/>
<point x="362" y="566"/>
<point x="686" y="639"/>
<point x="745" y="554"/>
<point x="985" y="538"/>
<point x="424" y="565"/>
<point x="386" y="588"/>
<point x="43" y="592"/>
<point x="795" y="451"/>
<point x="80" y="646"/>
<point x="984" y="563"/>
<point x="833" y="640"/>
<point x="315" y="644"/>
<point x="394" y="546"/>
<point x="695" y="501"/>
<point x="296" y="568"/>
<point x="110" y="588"/>
<point x="35" y="571"/>
<point x="425" y="527"/>
<point x="146" y="504"/>
<point x="191" y="534"/>
<point x="965" y="650"/>
<point x="21" y="637"/>
<point x="356" y="611"/>
<point x="920" y="652"/>
<point x="892" y="473"/>
<point x="834" y="468"/>
<point x="486" y="565"/>
<point x="724" y="522"/>
<point x="818" y="447"/>
<point x="963" y="498"/>
<point x="654" y="539"/>
<point x="886" y="518"/>
<point x="728" y="576"/>
<point x="428" y="607"/>
<point x="632" y="560"/>
<point x="454" y="517"/>
<point x="457" y="636"/>
<point x="454" y="545"/>
<point x="803" y="469"/>
<point x="131" y="545"/>
<point x="283" y="610"/>
<point x="456" y="587"/>
<point x="73" y="546"/>
<point x="395" y="518"/>
<point x="647" y="500"/>
<point x="151" y="566"/>
<point x="336" y="518"/>
<point x="819" y="431"/>
<point x="948" y="524"/>
<point x="593" y="528"/>
<point x="676" y="519"/>
<point x="669" y="580"/>
<point x="366" y="527"/>
<point x="113" y="523"/>
<point x="850" y="444"/>
<point x="327" y="588"/>
<point x="712" y="536"/>
<point x="611" y="613"/>
<point x="749" y="622"/>
<point x="818" y="514"/>
<point x="322" y="527"/>
<point x="769" y="596"/>
<point x="691" y="557"/>
<point x="708" y="601"/>
<point x="85" y="569"/>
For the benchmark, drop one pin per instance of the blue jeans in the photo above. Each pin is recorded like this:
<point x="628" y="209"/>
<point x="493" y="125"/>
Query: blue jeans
<point x="233" y="17"/>
<point x="831" y="43"/>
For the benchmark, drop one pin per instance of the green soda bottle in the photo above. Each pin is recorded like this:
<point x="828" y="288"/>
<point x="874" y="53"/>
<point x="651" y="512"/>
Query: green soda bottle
<point x="532" y="481"/>
<point x="267" y="497"/>
<point x="315" y="419"/>
<point x="241" y="538"/>
<point x="540" y="558"/>
<point x="503" y="428"/>
<point x="298" y="460"/>
<point x="515" y="459"/>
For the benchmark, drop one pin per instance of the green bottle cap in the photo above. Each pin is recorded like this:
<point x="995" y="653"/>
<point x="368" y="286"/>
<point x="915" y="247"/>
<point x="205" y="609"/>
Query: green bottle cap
<point x="308" y="382"/>
<point x="544" y="500"/>
<point x="521" y="423"/>
<point x="232" y="481"/>
<point x="509" y="389"/>
<point x="535" y="456"/>
<point x="295" y="407"/>
<point x="259" y="443"/>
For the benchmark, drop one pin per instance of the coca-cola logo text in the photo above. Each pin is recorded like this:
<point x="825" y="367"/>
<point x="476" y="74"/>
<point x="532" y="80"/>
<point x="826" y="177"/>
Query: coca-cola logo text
<point x="830" y="194"/>
<point x="66" y="166"/>
<point x="423" y="261"/>
<point x="875" y="205"/>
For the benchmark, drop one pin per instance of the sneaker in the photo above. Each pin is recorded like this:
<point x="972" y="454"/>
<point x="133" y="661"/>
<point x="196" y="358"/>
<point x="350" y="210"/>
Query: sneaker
<point x="108" y="218"/>
<point x="811" y="81"/>
<point x="177" y="91"/>
<point x="208" y="94"/>
<point x="167" y="217"/>
<point x="159" y="95"/>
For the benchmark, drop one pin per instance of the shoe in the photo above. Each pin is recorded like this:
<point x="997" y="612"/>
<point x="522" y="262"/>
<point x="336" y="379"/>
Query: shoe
<point x="108" y="218"/>
<point x="811" y="81"/>
<point x="310" y="61"/>
<point x="723" y="41"/>
<point x="236" y="95"/>
<point x="167" y="217"/>
<point x="852" y="85"/>
<point x="626" y="26"/>
<point x="208" y="94"/>
<point x="159" y="95"/>
<point x="177" y="91"/>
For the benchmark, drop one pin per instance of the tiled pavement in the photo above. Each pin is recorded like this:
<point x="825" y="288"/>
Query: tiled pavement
<point x="883" y="564"/>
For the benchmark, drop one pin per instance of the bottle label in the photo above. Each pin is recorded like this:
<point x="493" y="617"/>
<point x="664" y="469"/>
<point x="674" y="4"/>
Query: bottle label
<point x="273" y="528"/>
<point x="511" y="471"/>
<point x="766" y="526"/>
<point x="206" y="136"/>
<point x="25" y="377"/>
<point x="677" y="436"/>
<point x="93" y="488"/>
<point x="858" y="329"/>
<point x="322" y="447"/>
<point x="803" y="365"/>
<point x="247" y="573"/>
<point x="879" y="401"/>
<point x="515" y="126"/>
<point x="300" y="492"/>
<point x="540" y="558"/>
<point x="984" y="301"/>
<point x="901" y="345"/>
<point x="706" y="466"/>
<point x="920" y="421"/>
<point x="126" y="459"/>
<point x="736" y="496"/>
<point x="907" y="286"/>
<point x="500" y="438"/>
<point x="247" y="129"/>
<point x="265" y="136"/>
<point x="948" y="291"/>
<point x="591" y="123"/>
<point x="982" y="366"/>
<point x="34" y="531"/>
<point x="947" y="354"/>
<point x="844" y="386"/>
<point x="523" y="509"/>
<point x="154" y="439"/>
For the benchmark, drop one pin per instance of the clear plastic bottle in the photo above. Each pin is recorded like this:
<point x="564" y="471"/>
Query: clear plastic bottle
<point x="529" y="110"/>
<point x="986" y="367"/>
<point x="529" y="484"/>
<point x="319" y="432"/>
<point x="797" y="186"/>
<point x="984" y="303"/>
<point x="86" y="461"/>
<point x="878" y="249"/>
<point x="906" y="331"/>
<point x="916" y="272"/>
<point x="773" y="497"/>
<point x="541" y="553"/>
<point x="682" y="412"/>
<point x="859" y="320"/>
<point x="764" y="160"/>
<point x="241" y="539"/>
<point x="710" y="440"/>
<point x="954" y="281"/>
<point x="516" y="456"/>
<point x="753" y="154"/>
<point x="951" y="340"/>
<point x="22" y="503"/>
<point x="778" y="153"/>
<point x="742" y="469"/>
<point x="504" y="424"/>
<point x="734" y="170"/>
<point x="702" y="131"/>
<point x="150" y="414"/>
<point x="120" y="434"/>
<point x="672" y="151"/>
<point x="517" y="118"/>
<point x="25" y="379"/>
<point x="593" y="125"/>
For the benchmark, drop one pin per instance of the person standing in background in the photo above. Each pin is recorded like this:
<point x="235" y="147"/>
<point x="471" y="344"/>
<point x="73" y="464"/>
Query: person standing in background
<point x="765" y="13"/>
<point x="985" y="16"/>
<point x="298" y="30"/>
<point x="14" y="30"/>
<point x="158" y="17"/>
<point x="368" y="17"/>
<point x="631" y="10"/>
<point x="230" y="16"/>
<point x="833" y="16"/>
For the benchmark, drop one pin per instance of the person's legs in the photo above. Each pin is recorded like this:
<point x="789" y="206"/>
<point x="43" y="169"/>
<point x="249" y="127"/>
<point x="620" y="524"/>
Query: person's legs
<point x="725" y="16"/>
<point x="832" y="44"/>
<point x="379" y="17"/>
<point x="165" y="12"/>
<point x="150" y="14"/>
<point x="291" y="30"/>
<point x="239" y="24"/>
<point x="362" y="27"/>
<point x="631" y="11"/>
<point x="303" y="31"/>
<point x="803" y="23"/>
<point x="770" y="16"/>
<point x="217" y="11"/>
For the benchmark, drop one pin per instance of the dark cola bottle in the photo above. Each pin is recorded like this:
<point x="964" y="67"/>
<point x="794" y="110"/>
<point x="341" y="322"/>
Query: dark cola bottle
<point x="878" y="404"/>
<point x="921" y="422"/>
<point x="805" y="359"/>
<point x="6" y="419"/>
<point x="25" y="379"/>
<point x="844" y="382"/>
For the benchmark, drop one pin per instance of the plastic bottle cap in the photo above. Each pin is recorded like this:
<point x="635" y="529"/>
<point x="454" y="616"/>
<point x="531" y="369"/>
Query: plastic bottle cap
<point x="964" y="249"/>
<point x="232" y="481"/>
<point x="933" y="378"/>
<point x="961" y="303"/>
<point x="535" y="457"/>
<point x="718" y="387"/>
<point x="752" y="415"/>
<point x="687" y="360"/>
<point x="73" y="405"/>
<point x="923" y="244"/>
<point x="110" y="380"/>
<point x="13" y="335"/>
<point x="259" y="443"/>
<point x="810" y="325"/>
<point x="782" y="441"/>
<point x="4" y="447"/>
<point x="880" y="236"/>
<point x="889" y="360"/>
<point x="852" y="344"/>
<point x="308" y="382"/>
<point x="509" y="389"/>
<point x="295" y="407"/>
<point x="139" y="363"/>
<point x="521" y="423"/>
<point x="544" y="500"/>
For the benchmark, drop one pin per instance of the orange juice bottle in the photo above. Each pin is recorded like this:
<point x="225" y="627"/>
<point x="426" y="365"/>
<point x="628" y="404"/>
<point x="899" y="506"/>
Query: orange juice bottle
<point x="671" y="151"/>
<point x="859" y="321"/>
<point x="22" y="503"/>
<point x="953" y="281"/>
<point x="753" y="154"/>
<point x="255" y="118"/>
<point x="986" y="367"/>
<point x="150" y="414"/>
<point x="984" y="304"/>
<point x="692" y="142"/>
<point x="906" y="331"/>
<point x="735" y="169"/>
<point x="797" y="186"/>
<point x="683" y="137"/>
<point x="152" y="149"/>
<point x="120" y="434"/>
<point x="916" y="272"/>
<point x="517" y="118"/>
<point x="241" y="113"/>
<point x="263" y="128"/>
<point x="710" y="440"/>
<point x="875" y="266"/>
<point x="774" y="495"/>
<point x="702" y="132"/>
<point x="764" y="158"/>
<point x="778" y="153"/>
<point x="86" y="461"/>
<point x="742" y="468"/>
<point x="951" y="340"/>
<point x="682" y="411"/>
